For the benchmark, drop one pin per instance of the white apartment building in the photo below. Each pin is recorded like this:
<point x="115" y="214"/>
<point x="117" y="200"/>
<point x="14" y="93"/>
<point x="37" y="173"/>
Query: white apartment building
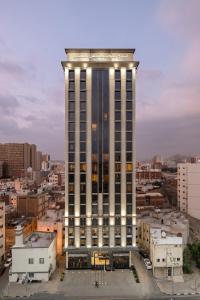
<point x="2" y="232"/>
<point x="54" y="179"/>
<point x="34" y="258"/>
<point x="100" y="197"/>
<point x="188" y="188"/>
<point x="166" y="254"/>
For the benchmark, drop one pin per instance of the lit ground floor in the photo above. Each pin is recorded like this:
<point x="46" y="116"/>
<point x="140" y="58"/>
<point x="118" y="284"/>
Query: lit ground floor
<point x="106" y="259"/>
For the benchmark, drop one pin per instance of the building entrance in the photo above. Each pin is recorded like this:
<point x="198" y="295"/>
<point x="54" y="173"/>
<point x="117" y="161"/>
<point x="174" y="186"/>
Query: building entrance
<point x="100" y="260"/>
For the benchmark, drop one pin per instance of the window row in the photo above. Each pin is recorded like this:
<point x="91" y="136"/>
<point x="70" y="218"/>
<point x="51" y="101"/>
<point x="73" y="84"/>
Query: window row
<point x="31" y="261"/>
<point x="105" y="221"/>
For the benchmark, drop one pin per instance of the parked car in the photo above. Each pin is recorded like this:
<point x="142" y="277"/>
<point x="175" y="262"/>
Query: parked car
<point x="148" y="264"/>
<point x="8" y="263"/>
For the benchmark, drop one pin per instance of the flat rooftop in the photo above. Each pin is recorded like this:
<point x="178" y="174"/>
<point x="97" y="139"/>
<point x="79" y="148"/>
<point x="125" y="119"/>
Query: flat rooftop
<point x="107" y="50"/>
<point x="39" y="239"/>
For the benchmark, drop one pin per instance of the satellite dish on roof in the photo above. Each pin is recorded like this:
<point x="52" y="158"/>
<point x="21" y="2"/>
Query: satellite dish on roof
<point x="163" y="234"/>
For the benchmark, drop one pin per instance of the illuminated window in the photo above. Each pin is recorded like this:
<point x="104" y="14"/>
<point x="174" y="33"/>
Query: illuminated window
<point x="129" y="167"/>
<point x="94" y="177"/>
<point x="94" y="126"/>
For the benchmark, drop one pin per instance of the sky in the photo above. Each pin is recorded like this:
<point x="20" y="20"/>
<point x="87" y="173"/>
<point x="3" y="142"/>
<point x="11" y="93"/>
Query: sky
<point x="166" y="36"/>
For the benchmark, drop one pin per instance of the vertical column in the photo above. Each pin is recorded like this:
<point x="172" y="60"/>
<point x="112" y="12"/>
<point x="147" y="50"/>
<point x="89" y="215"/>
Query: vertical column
<point x="112" y="155"/>
<point x="134" y="162"/>
<point x="77" y="157"/>
<point x="123" y="157"/>
<point x="100" y="214"/>
<point x="89" y="158"/>
<point x="66" y="156"/>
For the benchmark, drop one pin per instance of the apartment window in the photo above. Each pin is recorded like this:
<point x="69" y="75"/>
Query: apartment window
<point x="129" y="115"/>
<point x="117" y="85"/>
<point x="83" y="95"/>
<point x="117" y="126"/>
<point x="117" y="75"/>
<point x="117" y="105"/>
<point x="83" y="209"/>
<point x="117" y="146"/>
<point x="82" y="147"/>
<point x="71" y="126"/>
<point x="117" y="136"/>
<point x="83" y="85"/>
<point x="129" y="146"/>
<point x="178" y="259"/>
<point x="129" y="75"/>
<point x="71" y="116"/>
<point x="128" y="85"/>
<point x="94" y="209"/>
<point x="117" y="209"/>
<point x="158" y="259"/>
<point x="129" y="136"/>
<point x="129" y="241"/>
<point x="118" y="241"/>
<point x="129" y="156"/>
<point x="41" y="260"/>
<point x="71" y="85"/>
<point x="129" y="105"/>
<point x="83" y="242"/>
<point x="71" y="241"/>
<point x="71" y="74"/>
<point x="94" y="242"/>
<point x="71" y="96"/>
<point x="71" y="147"/>
<point x="31" y="261"/>
<point x="82" y="105"/>
<point x="129" y="95"/>
<point x="163" y="259"/>
<point x="71" y="106"/>
<point x="106" y="241"/>
<point x="83" y="75"/>
<point x="31" y="275"/>
<point x="118" y="115"/>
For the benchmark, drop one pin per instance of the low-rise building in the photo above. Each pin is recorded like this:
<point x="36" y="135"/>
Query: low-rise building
<point x="2" y="233"/>
<point x="33" y="258"/>
<point x="166" y="254"/>
<point x="163" y="234"/>
<point x="172" y="222"/>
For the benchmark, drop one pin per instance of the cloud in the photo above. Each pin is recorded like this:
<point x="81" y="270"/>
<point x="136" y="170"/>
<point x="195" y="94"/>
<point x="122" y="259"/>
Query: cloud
<point x="8" y="103"/>
<point x="180" y="18"/>
<point x="11" y="67"/>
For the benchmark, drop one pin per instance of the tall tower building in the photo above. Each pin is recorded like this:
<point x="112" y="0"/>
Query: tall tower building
<point x="100" y="199"/>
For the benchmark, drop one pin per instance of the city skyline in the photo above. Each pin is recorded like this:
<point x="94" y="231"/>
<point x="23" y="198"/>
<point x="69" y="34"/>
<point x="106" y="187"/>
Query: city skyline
<point x="166" y="38"/>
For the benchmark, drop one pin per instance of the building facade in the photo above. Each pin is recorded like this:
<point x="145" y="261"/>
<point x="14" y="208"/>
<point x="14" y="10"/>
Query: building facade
<point x="100" y="205"/>
<point x="188" y="188"/>
<point x="32" y="204"/>
<point x="2" y="233"/>
<point x="166" y="254"/>
<point x="33" y="258"/>
<point x="17" y="157"/>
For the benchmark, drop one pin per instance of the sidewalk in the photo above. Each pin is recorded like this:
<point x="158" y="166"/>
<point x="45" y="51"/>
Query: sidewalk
<point x="26" y="290"/>
<point x="190" y="286"/>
